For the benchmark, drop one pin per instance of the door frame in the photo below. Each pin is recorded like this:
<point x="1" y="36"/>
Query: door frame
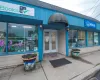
<point x="50" y="45"/>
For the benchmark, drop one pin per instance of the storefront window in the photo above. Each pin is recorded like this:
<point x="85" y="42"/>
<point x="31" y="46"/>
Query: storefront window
<point x="96" y="39"/>
<point x="3" y="37"/>
<point x="22" y="38"/>
<point x="81" y="39"/>
<point x="90" y="38"/>
<point x="72" y="38"/>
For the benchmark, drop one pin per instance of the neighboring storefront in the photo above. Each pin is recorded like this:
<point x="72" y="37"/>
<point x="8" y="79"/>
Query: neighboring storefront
<point x="36" y="27"/>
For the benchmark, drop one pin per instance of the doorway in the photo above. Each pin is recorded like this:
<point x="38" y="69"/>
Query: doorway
<point x="50" y="41"/>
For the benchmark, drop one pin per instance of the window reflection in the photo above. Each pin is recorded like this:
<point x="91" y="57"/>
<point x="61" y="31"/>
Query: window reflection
<point x="76" y="38"/>
<point x="81" y="39"/>
<point x="72" y="38"/>
<point x="90" y="38"/>
<point x="3" y="37"/>
<point x="22" y="38"/>
<point x="96" y="38"/>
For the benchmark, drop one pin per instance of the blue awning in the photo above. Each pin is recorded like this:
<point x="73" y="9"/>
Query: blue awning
<point x="54" y="26"/>
<point x="19" y="20"/>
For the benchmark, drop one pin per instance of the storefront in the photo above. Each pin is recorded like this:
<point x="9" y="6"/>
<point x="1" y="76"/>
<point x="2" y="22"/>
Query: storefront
<point x="18" y="31"/>
<point x="28" y="27"/>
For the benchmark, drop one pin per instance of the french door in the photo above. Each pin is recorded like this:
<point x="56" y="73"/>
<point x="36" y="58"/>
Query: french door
<point x="50" y="41"/>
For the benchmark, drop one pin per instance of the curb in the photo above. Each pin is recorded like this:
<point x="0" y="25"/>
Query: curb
<point x="88" y="73"/>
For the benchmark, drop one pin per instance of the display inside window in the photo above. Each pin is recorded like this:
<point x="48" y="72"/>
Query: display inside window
<point x="81" y="39"/>
<point x="76" y="38"/>
<point x="96" y="39"/>
<point x="72" y="38"/>
<point x="22" y="38"/>
<point x="3" y="37"/>
<point x="90" y="39"/>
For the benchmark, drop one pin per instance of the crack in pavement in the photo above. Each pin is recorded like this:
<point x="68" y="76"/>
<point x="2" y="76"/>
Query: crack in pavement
<point x="81" y="73"/>
<point x="11" y="73"/>
<point x="89" y="53"/>
<point x="83" y="60"/>
<point x="44" y="71"/>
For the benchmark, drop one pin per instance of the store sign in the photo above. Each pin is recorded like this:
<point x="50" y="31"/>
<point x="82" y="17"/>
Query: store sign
<point x="15" y="8"/>
<point x="89" y="24"/>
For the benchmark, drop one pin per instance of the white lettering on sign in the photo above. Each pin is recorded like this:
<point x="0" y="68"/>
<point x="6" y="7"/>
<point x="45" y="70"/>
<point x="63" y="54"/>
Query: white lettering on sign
<point x="15" y="8"/>
<point x="90" y="24"/>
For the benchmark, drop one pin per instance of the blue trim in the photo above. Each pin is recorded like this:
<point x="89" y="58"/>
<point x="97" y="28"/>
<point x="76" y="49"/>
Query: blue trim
<point x="3" y="53"/>
<point x="86" y="38"/>
<point x="7" y="38"/>
<point x="54" y="26"/>
<point x="77" y="34"/>
<point x="78" y="47"/>
<point x="84" y="47"/>
<point x="21" y="52"/>
<point x="67" y="48"/>
<point x="93" y="38"/>
<point x="13" y="53"/>
<point x="40" y="43"/>
<point x="99" y="37"/>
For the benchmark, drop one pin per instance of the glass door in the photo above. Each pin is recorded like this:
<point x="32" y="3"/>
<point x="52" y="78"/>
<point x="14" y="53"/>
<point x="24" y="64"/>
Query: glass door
<point x="53" y="41"/>
<point x="50" y="41"/>
<point x="47" y="42"/>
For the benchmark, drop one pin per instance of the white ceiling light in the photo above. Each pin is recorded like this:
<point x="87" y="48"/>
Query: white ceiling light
<point x="13" y="26"/>
<point x="27" y="26"/>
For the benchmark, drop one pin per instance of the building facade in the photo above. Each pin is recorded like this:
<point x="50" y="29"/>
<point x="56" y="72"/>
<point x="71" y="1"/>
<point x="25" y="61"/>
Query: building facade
<point x="29" y="27"/>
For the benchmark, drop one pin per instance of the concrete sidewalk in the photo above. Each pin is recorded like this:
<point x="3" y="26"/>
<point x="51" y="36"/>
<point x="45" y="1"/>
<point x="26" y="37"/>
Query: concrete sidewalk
<point x="88" y="74"/>
<point x="10" y="61"/>
<point x="18" y="73"/>
<point x="66" y="72"/>
<point x="45" y="71"/>
<point x="93" y="57"/>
